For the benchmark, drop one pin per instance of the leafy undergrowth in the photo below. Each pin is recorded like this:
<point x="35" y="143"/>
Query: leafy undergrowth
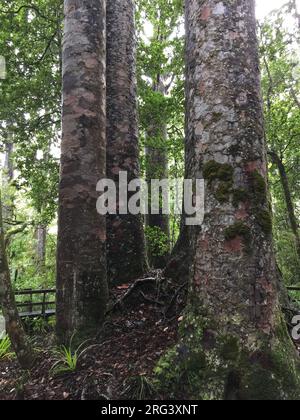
<point x="118" y="365"/>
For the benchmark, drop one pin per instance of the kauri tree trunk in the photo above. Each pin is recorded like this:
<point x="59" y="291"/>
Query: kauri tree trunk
<point x="81" y="257"/>
<point x="234" y="342"/>
<point x="13" y="323"/>
<point x="126" y="242"/>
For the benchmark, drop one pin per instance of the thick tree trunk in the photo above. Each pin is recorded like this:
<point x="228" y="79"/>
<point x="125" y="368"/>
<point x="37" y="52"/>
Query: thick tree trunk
<point x="157" y="168"/>
<point x="234" y="342"/>
<point x="81" y="258"/>
<point x="126" y="242"/>
<point x="13" y="323"/>
<point x="288" y="199"/>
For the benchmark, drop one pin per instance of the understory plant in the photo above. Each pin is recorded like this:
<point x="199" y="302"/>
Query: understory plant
<point x="67" y="358"/>
<point x="139" y="388"/>
<point x="5" y="348"/>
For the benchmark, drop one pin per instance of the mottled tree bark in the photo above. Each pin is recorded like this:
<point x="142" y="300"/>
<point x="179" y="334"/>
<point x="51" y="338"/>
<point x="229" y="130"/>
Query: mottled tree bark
<point x="234" y="342"/>
<point x="288" y="199"/>
<point x="13" y="323"/>
<point x="81" y="258"/>
<point x="157" y="168"/>
<point x="126" y="243"/>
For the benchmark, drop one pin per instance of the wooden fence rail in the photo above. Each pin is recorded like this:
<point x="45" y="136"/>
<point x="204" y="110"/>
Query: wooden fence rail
<point x="293" y="289"/>
<point x="43" y="308"/>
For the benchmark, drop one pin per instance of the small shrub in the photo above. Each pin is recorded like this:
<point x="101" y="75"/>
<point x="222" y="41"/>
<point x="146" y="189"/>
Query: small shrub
<point x="158" y="242"/>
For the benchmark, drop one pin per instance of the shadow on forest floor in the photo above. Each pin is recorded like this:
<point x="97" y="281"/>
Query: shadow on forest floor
<point x="141" y="326"/>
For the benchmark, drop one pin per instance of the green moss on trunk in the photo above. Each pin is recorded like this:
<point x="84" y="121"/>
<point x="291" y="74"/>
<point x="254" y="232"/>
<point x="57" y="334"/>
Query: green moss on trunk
<point x="213" y="171"/>
<point x="264" y="219"/>
<point x="240" y="195"/>
<point x="259" y="187"/>
<point x="207" y="365"/>
<point x="223" y="192"/>
<point x="238" y="229"/>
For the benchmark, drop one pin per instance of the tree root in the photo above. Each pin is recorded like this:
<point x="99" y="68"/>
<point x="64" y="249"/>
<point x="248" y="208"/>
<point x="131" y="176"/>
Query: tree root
<point x="120" y="303"/>
<point x="175" y="296"/>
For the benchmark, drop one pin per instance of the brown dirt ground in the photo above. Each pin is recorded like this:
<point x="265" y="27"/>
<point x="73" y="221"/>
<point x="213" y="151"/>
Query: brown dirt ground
<point x="132" y="341"/>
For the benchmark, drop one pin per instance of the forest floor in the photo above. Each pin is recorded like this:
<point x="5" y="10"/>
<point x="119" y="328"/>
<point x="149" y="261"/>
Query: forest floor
<point x="120" y="363"/>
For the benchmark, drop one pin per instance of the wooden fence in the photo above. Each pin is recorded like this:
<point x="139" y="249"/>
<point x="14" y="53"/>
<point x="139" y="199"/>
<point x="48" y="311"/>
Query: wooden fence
<point x="42" y="307"/>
